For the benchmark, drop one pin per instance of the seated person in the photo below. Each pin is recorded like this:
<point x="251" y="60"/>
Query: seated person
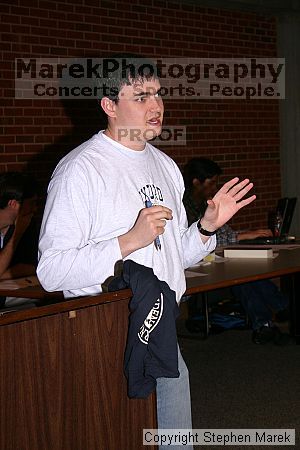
<point x="258" y="298"/>
<point x="18" y="233"/>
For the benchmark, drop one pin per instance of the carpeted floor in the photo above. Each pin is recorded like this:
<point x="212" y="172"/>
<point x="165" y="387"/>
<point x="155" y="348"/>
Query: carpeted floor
<point x="236" y="384"/>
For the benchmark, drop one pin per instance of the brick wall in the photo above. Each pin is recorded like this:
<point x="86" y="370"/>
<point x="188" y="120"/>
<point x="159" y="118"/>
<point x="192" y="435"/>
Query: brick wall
<point x="243" y="136"/>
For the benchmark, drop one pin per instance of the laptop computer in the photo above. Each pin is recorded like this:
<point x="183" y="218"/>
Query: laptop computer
<point x="288" y="216"/>
<point x="286" y="207"/>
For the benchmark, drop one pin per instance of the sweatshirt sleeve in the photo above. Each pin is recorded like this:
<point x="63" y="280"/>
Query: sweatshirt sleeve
<point x="68" y="258"/>
<point x="194" y="250"/>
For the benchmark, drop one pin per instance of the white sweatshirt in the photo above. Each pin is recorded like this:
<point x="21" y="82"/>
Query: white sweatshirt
<point x="94" y="196"/>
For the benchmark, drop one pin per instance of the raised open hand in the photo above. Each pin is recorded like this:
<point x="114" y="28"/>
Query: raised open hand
<point x="227" y="202"/>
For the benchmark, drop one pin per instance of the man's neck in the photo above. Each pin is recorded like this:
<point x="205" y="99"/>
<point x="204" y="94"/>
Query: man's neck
<point x="132" y="145"/>
<point x="4" y="229"/>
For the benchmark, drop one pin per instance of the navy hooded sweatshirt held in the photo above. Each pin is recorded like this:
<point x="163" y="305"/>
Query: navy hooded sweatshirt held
<point x="151" y="349"/>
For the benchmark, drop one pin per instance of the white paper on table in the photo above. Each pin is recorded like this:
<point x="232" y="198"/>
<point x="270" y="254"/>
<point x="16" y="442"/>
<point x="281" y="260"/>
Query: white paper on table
<point x="217" y="259"/>
<point x="18" y="283"/>
<point x="190" y="274"/>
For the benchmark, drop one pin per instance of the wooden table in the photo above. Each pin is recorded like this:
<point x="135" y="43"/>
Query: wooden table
<point x="237" y="271"/>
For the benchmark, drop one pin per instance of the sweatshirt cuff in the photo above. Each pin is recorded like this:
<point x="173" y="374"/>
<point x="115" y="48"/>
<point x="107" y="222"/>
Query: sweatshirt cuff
<point x="210" y="244"/>
<point x="118" y="254"/>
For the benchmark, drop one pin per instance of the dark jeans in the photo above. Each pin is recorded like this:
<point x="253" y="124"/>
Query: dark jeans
<point x="259" y="299"/>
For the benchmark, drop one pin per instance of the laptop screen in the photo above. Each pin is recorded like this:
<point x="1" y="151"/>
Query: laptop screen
<point x="286" y="207"/>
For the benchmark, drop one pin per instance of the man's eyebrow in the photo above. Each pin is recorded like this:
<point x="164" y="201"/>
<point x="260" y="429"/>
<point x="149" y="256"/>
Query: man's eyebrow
<point x="146" y="93"/>
<point x="141" y="94"/>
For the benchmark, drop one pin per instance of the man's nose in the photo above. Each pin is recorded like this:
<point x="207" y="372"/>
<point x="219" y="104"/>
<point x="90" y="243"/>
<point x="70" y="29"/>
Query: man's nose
<point x="156" y="104"/>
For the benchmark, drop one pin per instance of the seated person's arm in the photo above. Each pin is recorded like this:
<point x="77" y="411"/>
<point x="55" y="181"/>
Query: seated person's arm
<point x="19" y="270"/>
<point x="253" y="234"/>
<point x="7" y="253"/>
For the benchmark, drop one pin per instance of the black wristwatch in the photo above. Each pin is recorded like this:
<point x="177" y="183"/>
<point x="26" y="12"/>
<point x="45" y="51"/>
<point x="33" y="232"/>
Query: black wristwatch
<point x="205" y="232"/>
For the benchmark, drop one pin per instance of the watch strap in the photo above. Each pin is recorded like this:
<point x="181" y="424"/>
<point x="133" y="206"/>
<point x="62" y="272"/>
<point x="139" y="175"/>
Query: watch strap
<point x="205" y="232"/>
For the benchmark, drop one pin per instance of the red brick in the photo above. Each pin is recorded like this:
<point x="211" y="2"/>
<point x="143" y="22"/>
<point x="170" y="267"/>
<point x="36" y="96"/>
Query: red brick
<point x="242" y="136"/>
<point x="20" y="10"/>
<point x="5" y="158"/>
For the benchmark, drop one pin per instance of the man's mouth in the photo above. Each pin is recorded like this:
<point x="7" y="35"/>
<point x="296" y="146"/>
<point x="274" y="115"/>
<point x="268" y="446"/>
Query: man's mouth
<point x="154" y="122"/>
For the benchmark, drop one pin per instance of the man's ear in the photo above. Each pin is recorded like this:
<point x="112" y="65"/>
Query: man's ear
<point x="196" y="182"/>
<point x="108" y="106"/>
<point x="14" y="204"/>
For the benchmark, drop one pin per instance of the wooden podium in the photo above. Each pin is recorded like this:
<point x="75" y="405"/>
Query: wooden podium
<point x="62" y="381"/>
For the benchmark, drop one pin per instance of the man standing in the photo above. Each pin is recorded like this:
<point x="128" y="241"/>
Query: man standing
<point x="95" y="213"/>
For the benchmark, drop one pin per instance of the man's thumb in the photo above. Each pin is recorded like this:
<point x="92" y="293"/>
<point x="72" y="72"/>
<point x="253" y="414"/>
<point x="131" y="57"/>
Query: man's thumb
<point x="211" y="204"/>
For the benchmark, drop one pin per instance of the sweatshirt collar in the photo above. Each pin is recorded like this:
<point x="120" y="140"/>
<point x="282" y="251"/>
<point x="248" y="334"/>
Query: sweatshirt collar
<point x="141" y="154"/>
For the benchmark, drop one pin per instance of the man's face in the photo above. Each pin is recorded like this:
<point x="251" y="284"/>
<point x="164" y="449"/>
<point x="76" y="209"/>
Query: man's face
<point x="207" y="189"/>
<point x="14" y="208"/>
<point x="138" y="114"/>
<point x="29" y="206"/>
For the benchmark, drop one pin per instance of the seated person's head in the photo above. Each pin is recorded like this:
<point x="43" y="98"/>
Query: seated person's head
<point x="17" y="190"/>
<point x="201" y="178"/>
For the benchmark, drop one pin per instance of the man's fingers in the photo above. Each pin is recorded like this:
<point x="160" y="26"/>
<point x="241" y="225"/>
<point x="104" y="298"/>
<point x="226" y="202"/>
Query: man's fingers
<point x="162" y="215"/>
<point x="246" y="201"/>
<point x="227" y="186"/>
<point x="265" y="232"/>
<point x="159" y="212"/>
<point x="160" y="230"/>
<point x="159" y="208"/>
<point x="243" y="192"/>
<point x="232" y="187"/>
<point x="238" y="187"/>
<point x="211" y="204"/>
